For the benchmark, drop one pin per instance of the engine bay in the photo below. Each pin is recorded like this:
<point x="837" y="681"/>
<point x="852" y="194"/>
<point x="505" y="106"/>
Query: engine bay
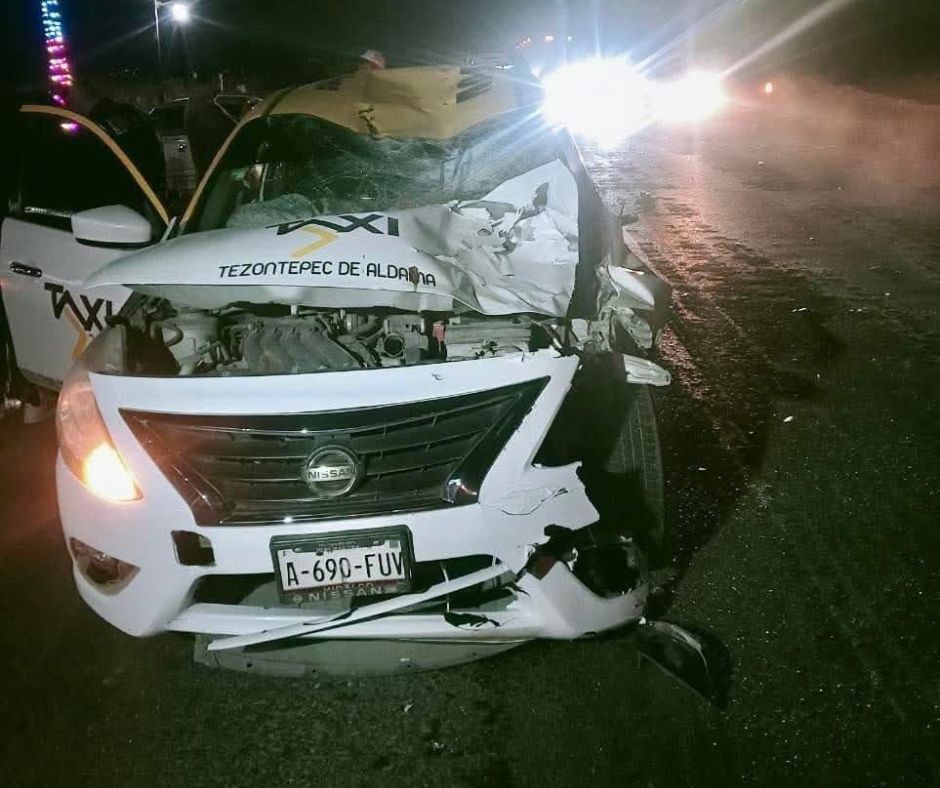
<point x="271" y="339"/>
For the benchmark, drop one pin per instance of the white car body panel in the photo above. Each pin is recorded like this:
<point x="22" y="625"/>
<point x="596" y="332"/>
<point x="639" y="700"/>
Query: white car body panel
<point x="53" y="316"/>
<point x="111" y="224"/>
<point x="557" y="606"/>
<point x="140" y="532"/>
<point x="522" y="260"/>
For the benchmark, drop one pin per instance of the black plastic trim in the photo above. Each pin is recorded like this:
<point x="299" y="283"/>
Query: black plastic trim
<point x="402" y="431"/>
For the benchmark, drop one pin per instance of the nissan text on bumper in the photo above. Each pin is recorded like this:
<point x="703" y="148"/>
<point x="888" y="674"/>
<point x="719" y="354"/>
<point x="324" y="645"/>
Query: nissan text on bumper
<point x="384" y="381"/>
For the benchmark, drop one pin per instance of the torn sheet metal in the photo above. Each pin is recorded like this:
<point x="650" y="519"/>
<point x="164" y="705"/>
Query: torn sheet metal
<point x="427" y="102"/>
<point x="630" y="288"/>
<point x="631" y="303"/>
<point x="471" y="620"/>
<point x="521" y="503"/>
<point x="645" y="372"/>
<point x="632" y="298"/>
<point x="514" y="250"/>
<point x="348" y="659"/>
<point x="384" y="608"/>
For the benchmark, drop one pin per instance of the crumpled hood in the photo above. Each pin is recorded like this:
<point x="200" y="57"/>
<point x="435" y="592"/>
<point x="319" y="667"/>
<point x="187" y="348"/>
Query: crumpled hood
<point x="514" y="250"/>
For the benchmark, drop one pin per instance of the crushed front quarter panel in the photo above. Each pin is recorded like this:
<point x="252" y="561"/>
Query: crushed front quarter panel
<point x="514" y="250"/>
<point x="140" y="532"/>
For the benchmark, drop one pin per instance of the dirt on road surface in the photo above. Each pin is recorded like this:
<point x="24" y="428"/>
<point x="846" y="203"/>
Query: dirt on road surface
<point x="801" y="439"/>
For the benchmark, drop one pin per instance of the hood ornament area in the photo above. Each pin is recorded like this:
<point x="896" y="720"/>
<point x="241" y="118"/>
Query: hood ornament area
<point x="332" y="471"/>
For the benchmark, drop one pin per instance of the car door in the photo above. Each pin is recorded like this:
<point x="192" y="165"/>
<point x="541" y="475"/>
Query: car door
<point x="65" y="164"/>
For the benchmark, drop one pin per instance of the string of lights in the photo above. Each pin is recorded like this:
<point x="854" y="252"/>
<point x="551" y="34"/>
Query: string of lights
<point x="59" y="69"/>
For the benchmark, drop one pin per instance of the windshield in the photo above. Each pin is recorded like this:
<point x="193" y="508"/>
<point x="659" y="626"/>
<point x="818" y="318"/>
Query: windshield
<point x="285" y="167"/>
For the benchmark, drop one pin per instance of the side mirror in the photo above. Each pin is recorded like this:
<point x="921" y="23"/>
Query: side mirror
<point x="111" y="224"/>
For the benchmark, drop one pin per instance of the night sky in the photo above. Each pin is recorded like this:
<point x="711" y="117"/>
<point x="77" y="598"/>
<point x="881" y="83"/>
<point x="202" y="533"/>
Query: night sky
<point x="866" y="37"/>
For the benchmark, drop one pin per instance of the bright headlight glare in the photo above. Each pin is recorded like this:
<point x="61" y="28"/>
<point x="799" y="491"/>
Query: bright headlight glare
<point x="106" y="476"/>
<point x="604" y="99"/>
<point x="85" y="444"/>
<point x="689" y="99"/>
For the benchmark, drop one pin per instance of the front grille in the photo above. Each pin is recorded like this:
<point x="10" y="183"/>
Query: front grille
<point x="249" y="469"/>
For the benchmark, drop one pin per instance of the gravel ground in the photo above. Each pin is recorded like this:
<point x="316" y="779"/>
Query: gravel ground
<point x="800" y="439"/>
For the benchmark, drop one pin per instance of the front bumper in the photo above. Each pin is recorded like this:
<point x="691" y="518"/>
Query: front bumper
<point x="517" y="501"/>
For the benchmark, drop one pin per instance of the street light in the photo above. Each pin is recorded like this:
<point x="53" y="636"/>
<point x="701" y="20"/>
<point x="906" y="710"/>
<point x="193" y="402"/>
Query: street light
<point x="179" y="13"/>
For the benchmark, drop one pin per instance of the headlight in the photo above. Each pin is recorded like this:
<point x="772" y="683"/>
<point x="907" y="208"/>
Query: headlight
<point x="84" y="442"/>
<point x="605" y="99"/>
<point x="689" y="99"/>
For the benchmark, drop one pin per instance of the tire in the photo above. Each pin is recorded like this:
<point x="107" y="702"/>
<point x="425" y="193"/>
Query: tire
<point x="636" y="454"/>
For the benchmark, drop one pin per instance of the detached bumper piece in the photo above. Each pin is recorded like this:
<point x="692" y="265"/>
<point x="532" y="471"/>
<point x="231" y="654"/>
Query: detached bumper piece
<point x="347" y="658"/>
<point x="418" y="631"/>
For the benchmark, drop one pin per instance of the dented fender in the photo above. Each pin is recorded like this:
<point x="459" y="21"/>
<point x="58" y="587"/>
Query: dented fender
<point x="645" y="372"/>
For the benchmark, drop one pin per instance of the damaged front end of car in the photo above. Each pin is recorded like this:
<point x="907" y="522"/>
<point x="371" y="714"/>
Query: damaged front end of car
<point x="376" y="422"/>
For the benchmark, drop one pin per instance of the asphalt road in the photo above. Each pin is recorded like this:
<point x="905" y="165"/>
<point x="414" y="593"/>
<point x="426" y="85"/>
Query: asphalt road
<point x="801" y="440"/>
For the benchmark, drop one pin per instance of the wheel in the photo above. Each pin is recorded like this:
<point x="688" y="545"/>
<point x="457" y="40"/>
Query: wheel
<point x="635" y="458"/>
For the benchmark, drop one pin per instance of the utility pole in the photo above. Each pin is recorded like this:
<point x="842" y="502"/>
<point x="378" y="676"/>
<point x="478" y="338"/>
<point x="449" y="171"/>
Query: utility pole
<point x="156" y="27"/>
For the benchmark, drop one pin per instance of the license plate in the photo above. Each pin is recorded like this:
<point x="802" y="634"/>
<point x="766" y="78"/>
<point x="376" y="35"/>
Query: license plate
<point x="322" y="567"/>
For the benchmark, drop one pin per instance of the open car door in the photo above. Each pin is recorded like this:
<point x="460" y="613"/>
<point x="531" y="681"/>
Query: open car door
<point x="78" y="203"/>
